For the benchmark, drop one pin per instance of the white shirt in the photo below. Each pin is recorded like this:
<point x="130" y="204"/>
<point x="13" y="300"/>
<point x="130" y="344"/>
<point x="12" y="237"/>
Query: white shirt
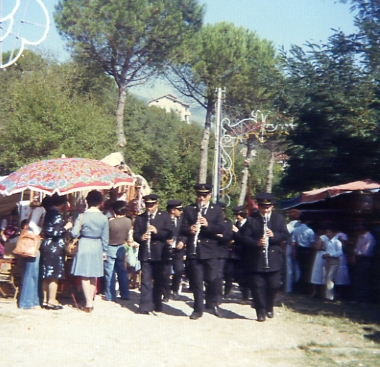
<point x="365" y="245"/>
<point x="333" y="246"/>
<point x="37" y="218"/>
<point x="303" y="235"/>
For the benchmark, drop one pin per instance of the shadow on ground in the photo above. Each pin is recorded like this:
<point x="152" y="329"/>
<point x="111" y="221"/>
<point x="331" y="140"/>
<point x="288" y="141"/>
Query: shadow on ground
<point x="362" y="313"/>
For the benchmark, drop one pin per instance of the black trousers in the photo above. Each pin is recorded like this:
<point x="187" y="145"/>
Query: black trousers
<point x="220" y="278"/>
<point x="264" y="286"/>
<point x="172" y="284"/>
<point x="151" y="286"/>
<point x="178" y="269"/>
<point x="203" y="271"/>
<point x="305" y="259"/>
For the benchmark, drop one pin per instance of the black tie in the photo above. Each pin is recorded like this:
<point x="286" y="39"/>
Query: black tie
<point x="174" y="221"/>
<point x="203" y="211"/>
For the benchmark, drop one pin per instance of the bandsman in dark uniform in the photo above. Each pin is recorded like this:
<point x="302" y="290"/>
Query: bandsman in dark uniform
<point x="151" y="231"/>
<point x="174" y="251"/>
<point x="224" y="240"/>
<point x="202" y="221"/>
<point x="242" y="235"/>
<point x="263" y="256"/>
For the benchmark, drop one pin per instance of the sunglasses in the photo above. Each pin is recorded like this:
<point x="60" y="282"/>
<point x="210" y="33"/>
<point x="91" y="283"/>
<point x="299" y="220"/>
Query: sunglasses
<point x="202" y="194"/>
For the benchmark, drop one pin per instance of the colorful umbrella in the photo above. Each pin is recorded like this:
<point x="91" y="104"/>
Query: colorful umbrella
<point x="64" y="175"/>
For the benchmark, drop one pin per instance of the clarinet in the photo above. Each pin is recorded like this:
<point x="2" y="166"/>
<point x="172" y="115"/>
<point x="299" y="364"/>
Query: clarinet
<point x="198" y="231"/>
<point x="149" y="237"/>
<point x="266" y="246"/>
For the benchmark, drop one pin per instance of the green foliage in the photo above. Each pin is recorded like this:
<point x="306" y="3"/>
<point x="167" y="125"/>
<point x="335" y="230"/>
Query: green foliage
<point x="333" y="98"/>
<point x="43" y="115"/>
<point x="129" y="40"/>
<point x="163" y="149"/>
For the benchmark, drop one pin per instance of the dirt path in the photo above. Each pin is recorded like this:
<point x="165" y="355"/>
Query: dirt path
<point x="115" y="335"/>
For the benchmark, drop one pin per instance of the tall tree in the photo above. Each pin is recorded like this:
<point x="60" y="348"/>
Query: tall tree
<point x="44" y="113"/>
<point x="130" y="40"/>
<point x="221" y="56"/>
<point x="334" y="100"/>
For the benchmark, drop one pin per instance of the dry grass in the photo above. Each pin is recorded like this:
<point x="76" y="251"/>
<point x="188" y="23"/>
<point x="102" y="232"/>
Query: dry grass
<point x="345" y="333"/>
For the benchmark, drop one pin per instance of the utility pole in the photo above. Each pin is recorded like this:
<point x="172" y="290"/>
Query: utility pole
<point x="217" y="156"/>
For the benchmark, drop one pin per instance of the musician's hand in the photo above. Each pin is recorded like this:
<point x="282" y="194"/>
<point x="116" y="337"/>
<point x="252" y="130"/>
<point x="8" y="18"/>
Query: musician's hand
<point x="145" y="236"/>
<point x="193" y="229"/>
<point x="170" y="241"/>
<point x="152" y="229"/>
<point x="203" y="222"/>
<point x="180" y="245"/>
<point x="262" y="242"/>
<point x="235" y="229"/>
<point x="269" y="233"/>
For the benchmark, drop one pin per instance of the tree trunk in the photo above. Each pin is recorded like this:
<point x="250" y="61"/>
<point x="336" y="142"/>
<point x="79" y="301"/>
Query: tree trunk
<point x="268" y="187"/>
<point x="244" y="180"/>
<point x="203" y="160"/>
<point x="121" y="140"/>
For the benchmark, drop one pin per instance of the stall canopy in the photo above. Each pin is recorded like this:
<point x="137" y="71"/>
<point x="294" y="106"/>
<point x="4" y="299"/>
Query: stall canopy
<point x="314" y="196"/>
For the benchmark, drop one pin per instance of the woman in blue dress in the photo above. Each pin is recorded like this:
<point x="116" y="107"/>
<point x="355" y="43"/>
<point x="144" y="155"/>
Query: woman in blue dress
<point x="92" y="229"/>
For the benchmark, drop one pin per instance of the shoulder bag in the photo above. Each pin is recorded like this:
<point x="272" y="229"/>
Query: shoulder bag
<point x="71" y="246"/>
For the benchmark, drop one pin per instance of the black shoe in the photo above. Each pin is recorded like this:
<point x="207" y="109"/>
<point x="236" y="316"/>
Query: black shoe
<point x="270" y="314"/>
<point x="50" y="306"/>
<point x="175" y="296"/>
<point x="195" y="316"/>
<point x="260" y="318"/>
<point x="143" y="312"/>
<point x="217" y="311"/>
<point x="165" y="300"/>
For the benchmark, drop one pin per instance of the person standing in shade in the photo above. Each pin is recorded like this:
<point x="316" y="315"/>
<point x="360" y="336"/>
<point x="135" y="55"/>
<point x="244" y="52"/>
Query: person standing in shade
<point x="224" y="240"/>
<point x="151" y="231"/>
<point x="263" y="256"/>
<point x="332" y="257"/>
<point x="119" y="227"/>
<point x="242" y="235"/>
<point x="52" y="250"/>
<point x="29" y="295"/>
<point x="175" y="251"/>
<point x="303" y="239"/>
<point x="93" y="231"/>
<point x="363" y="263"/>
<point x="202" y="221"/>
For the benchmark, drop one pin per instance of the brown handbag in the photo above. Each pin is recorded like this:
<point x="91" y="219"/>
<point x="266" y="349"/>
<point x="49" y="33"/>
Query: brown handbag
<point x="27" y="244"/>
<point x="71" y="246"/>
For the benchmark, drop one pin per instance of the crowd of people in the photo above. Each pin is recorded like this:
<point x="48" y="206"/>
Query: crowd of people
<point x="260" y="251"/>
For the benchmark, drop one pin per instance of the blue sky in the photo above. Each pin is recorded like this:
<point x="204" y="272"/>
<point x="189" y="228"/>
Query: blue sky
<point x="285" y="22"/>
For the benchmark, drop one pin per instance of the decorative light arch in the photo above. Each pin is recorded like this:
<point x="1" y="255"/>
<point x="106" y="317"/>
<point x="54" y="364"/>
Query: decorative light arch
<point x="13" y="27"/>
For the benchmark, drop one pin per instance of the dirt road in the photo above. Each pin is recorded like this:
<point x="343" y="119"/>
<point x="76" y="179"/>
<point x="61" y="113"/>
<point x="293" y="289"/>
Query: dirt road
<point x="114" y="335"/>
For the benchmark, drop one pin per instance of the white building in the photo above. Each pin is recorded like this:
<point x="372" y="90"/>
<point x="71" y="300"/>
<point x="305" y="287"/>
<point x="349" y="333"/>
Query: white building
<point x="172" y="103"/>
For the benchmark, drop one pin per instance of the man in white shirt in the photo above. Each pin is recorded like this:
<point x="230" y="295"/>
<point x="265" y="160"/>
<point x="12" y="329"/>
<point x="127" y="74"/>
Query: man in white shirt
<point x="333" y="252"/>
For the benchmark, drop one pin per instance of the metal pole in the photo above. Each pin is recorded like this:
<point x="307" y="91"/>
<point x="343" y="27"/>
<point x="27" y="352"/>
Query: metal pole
<point x="216" y="179"/>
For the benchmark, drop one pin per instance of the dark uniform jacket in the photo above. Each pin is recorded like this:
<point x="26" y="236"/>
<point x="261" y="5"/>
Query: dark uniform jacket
<point x="249" y="237"/>
<point x="175" y="233"/>
<point x="225" y="240"/>
<point x="162" y="222"/>
<point x="207" y="244"/>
